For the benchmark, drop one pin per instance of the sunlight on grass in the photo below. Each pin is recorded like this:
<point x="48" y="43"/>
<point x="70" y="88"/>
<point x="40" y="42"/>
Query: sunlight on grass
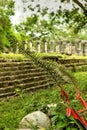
<point x="12" y="56"/>
<point x="63" y="56"/>
<point x="77" y="57"/>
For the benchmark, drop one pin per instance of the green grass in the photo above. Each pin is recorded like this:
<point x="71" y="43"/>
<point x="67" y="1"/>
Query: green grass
<point x="63" y="56"/>
<point x="41" y="55"/>
<point x="14" y="109"/>
<point x="12" y="56"/>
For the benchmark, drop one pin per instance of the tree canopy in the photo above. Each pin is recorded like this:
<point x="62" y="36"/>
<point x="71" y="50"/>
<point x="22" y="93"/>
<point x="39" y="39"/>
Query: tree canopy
<point x="53" y="22"/>
<point x="47" y="19"/>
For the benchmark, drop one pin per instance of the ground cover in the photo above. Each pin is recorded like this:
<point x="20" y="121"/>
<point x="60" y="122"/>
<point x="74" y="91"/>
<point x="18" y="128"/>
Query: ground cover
<point x="41" y="55"/>
<point x="12" y="56"/>
<point x="63" y="56"/>
<point x="13" y="110"/>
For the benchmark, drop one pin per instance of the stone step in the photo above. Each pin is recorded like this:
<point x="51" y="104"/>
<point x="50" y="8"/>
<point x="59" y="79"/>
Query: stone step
<point x="65" y="61"/>
<point x="75" y="64"/>
<point x="26" y="87"/>
<point x="33" y="84"/>
<point x="3" y="95"/>
<point x="20" y="81"/>
<point x="16" y="72"/>
<point x="38" y="87"/>
<point x="14" y="60"/>
<point x="23" y="75"/>
<point x="2" y="69"/>
<point x="10" y="64"/>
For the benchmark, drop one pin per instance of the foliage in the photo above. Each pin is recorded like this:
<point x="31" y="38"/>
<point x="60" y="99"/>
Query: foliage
<point x="57" y="72"/>
<point x="6" y="10"/>
<point x="14" y="109"/>
<point x="46" y="23"/>
<point x="60" y="75"/>
<point x="63" y="56"/>
<point x="7" y="7"/>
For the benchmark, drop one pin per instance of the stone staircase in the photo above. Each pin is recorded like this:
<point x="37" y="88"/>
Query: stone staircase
<point x="24" y="75"/>
<point x="75" y="64"/>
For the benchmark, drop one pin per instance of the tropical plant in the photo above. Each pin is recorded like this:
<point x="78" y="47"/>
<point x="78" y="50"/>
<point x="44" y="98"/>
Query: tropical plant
<point x="60" y="75"/>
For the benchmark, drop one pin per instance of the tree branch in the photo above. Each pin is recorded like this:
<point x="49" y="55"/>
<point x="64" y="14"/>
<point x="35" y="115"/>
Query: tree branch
<point x="81" y="6"/>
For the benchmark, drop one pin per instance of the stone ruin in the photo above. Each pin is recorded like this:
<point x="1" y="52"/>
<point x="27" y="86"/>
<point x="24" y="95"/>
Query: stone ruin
<point x="78" y="47"/>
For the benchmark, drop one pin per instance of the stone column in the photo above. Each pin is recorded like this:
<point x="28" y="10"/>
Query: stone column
<point x="31" y="46"/>
<point x="51" y="47"/>
<point x="84" y="48"/>
<point x="73" y="49"/>
<point x="25" y="46"/>
<point x="70" y="49"/>
<point x="79" y="49"/>
<point x="17" y="48"/>
<point x="45" y="47"/>
<point x="65" y="47"/>
<point x="38" y="47"/>
<point x="58" y="48"/>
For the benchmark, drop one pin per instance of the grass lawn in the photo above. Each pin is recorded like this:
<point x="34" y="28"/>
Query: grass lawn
<point x="13" y="110"/>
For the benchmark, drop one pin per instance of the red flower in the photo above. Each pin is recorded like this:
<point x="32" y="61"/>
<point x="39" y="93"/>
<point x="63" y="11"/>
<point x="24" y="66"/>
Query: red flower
<point x="77" y="117"/>
<point x="84" y="122"/>
<point x="68" y="112"/>
<point x="81" y="111"/>
<point x="74" y="114"/>
<point x="81" y="99"/>
<point x="65" y="97"/>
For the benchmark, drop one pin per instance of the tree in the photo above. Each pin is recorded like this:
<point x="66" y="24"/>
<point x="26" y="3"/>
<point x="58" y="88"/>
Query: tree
<point x="6" y="10"/>
<point x="47" y="23"/>
<point x="76" y="16"/>
<point x="82" y="6"/>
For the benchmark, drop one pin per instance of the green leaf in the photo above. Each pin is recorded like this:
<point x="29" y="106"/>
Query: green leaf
<point x="62" y="116"/>
<point x="54" y="118"/>
<point x="61" y="124"/>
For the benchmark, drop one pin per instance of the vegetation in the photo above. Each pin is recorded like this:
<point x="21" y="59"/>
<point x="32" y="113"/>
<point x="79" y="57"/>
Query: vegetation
<point x="14" y="109"/>
<point x="43" y="23"/>
<point x="12" y="56"/>
<point x="6" y="10"/>
<point x="46" y="23"/>
<point x="62" y="24"/>
<point x="63" y="56"/>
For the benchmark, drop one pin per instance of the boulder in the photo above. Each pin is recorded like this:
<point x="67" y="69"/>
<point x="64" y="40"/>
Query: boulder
<point x="34" y="119"/>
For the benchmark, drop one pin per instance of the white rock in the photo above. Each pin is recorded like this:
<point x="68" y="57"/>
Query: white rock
<point x="37" y="118"/>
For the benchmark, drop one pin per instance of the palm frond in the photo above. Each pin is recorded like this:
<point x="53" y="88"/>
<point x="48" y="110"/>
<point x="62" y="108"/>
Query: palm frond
<point x="58" y="72"/>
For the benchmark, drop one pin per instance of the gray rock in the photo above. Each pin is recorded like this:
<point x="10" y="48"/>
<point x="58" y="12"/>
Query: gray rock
<point x="37" y="118"/>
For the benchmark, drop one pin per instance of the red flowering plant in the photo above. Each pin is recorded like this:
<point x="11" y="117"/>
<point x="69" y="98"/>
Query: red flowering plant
<point x="60" y="75"/>
<point x="70" y="111"/>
